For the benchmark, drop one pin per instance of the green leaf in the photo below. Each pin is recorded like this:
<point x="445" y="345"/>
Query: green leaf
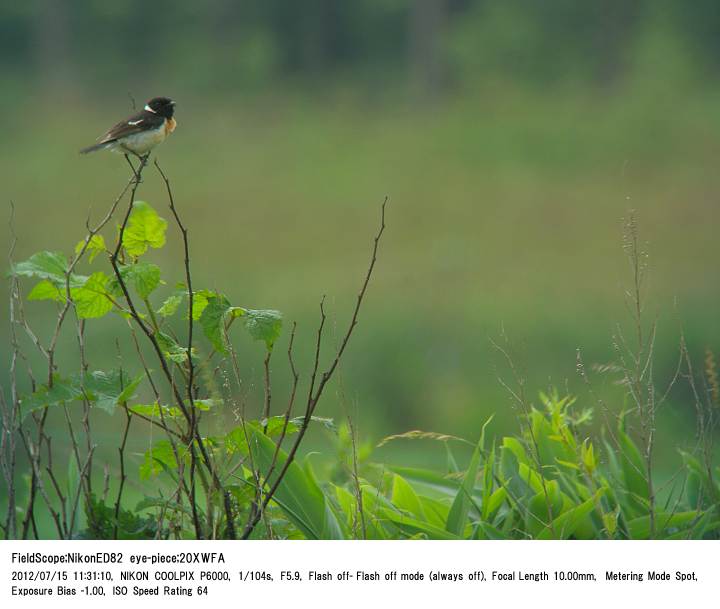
<point x="144" y="229"/>
<point x="262" y="324"/>
<point x="212" y="321"/>
<point x="43" y="265"/>
<point x="155" y="410"/>
<point x="415" y="526"/>
<point x="46" y="290"/>
<point x="494" y="502"/>
<point x="109" y="389"/>
<point x="565" y="525"/>
<point x="461" y="505"/>
<point x="143" y="276"/>
<point x="161" y="457"/>
<point x="96" y="245"/>
<point x="298" y="495"/>
<point x="639" y="528"/>
<point x="405" y="498"/>
<point x="91" y="300"/>
<point x="200" y="301"/>
<point x="62" y="390"/>
<point x="170" y="306"/>
<point x="171" y="350"/>
<point x="275" y="426"/>
<point x="103" y="523"/>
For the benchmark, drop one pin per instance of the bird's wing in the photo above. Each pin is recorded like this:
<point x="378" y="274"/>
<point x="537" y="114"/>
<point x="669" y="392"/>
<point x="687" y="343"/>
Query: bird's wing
<point x="142" y="121"/>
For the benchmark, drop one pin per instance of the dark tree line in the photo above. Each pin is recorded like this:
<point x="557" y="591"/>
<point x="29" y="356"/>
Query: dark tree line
<point x="238" y="44"/>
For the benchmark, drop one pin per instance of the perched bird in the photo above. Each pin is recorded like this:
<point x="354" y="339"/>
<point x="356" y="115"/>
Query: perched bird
<point x="140" y="133"/>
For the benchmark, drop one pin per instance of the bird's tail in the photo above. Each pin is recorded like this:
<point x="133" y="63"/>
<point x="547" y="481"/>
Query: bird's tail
<point x="99" y="146"/>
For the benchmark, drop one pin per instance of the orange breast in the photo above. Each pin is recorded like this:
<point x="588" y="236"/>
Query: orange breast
<point x="170" y="125"/>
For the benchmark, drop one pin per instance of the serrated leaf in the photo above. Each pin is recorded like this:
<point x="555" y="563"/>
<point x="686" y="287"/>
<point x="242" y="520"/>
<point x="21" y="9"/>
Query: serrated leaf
<point x="155" y="410"/>
<point x="143" y="276"/>
<point x="263" y="324"/>
<point x="212" y="321"/>
<point x="109" y="389"/>
<point x="200" y="301"/>
<point x="145" y="228"/>
<point x="170" y="306"/>
<point x="160" y="457"/>
<point x="274" y="426"/>
<point x="172" y="350"/>
<point x="46" y="290"/>
<point x="91" y="300"/>
<point x="62" y="390"/>
<point x="95" y="246"/>
<point x="43" y="265"/>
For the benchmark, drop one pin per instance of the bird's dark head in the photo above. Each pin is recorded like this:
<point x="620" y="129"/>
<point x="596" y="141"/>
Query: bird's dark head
<point x="163" y="106"/>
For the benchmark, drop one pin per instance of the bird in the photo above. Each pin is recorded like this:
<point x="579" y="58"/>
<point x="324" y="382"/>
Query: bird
<point x="141" y="132"/>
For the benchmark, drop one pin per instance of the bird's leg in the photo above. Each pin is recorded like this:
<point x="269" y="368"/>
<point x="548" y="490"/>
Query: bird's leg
<point x="135" y="173"/>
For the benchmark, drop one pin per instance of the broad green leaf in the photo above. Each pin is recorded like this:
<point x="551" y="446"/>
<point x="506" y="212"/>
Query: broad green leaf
<point x="516" y="447"/>
<point x="436" y="512"/>
<point x="212" y="321"/>
<point x="170" y="306"/>
<point x="494" y="502"/>
<point x="144" y="229"/>
<point x="565" y="525"/>
<point x="264" y="325"/>
<point x="531" y="478"/>
<point x="274" y="426"/>
<point x="200" y="301"/>
<point x="639" y="528"/>
<point x="43" y="265"/>
<point x="587" y="454"/>
<point x="171" y="350"/>
<point x="161" y="457"/>
<point x="235" y="441"/>
<point x="143" y="276"/>
<point x="109" y="389"/>
<point x="62" y="391"/>
<point x="91" y="300"/>
<point x="461" y="505"/>
<point x="543" y="508"/>
<point x="299" y="497"/>
<point x="428" y="482"/>
<point x="46" y="290"/>
<point x="405" y="498"/>
<point x="414" y="526"/>
<point x="487" y="531"/>
<point x="155" y="410"/>
<point x="96" y="245"/>
<point x="104" y="389"/>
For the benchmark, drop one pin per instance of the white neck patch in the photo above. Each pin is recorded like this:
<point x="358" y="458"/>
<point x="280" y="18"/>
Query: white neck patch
<point x="149" y="109"/>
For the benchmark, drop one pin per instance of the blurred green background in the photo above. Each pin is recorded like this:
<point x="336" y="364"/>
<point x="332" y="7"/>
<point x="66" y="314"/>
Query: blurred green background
<point x="511" y="136"/>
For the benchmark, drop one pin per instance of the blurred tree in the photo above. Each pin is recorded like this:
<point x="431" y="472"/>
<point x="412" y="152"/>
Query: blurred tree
<point x="230" y="44"/>
<point x="427" y="21"/>
<point x="51" y="46"/>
